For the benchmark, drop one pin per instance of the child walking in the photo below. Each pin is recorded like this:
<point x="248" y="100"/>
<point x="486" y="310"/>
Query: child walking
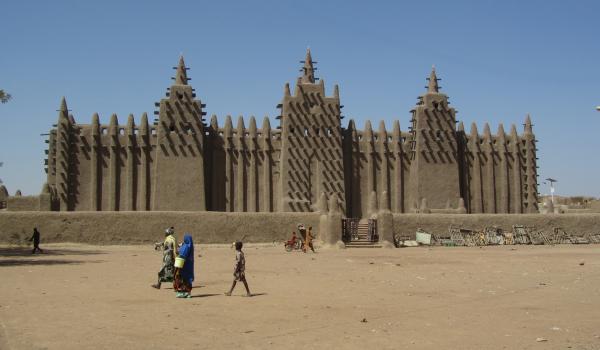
<point x="239" y="269"/>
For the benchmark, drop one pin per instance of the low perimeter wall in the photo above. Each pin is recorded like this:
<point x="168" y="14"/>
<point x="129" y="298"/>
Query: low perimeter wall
<point x="146" y="227"/>
<point x="575" y="224"/>
<point x="221" y="227"/>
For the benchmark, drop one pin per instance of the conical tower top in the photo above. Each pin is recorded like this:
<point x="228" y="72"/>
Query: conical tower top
<point x="528" y="125"/>
<point x="308" y="71"/>
<point x="433" y="81"/>
<point x="63" y="105"/>
<point x="63" y="111"/>
<point x="181" y="74"/>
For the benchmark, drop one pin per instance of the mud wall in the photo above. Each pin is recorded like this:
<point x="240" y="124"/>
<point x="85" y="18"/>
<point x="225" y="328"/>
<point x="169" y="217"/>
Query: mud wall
<point x="222" y="227"/>
<point x="146" y="227"/>
<point x="576" y="224"/>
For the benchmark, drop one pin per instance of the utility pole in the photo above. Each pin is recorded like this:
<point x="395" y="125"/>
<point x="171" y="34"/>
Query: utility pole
<point x="551" y="181"/>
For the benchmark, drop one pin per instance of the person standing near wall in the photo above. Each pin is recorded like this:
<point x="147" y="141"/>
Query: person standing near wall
<point x="309" y="241"/>
<point x="36" y="241"/>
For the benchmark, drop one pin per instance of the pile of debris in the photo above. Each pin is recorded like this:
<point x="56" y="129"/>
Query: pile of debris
<point x="465" y="237"/>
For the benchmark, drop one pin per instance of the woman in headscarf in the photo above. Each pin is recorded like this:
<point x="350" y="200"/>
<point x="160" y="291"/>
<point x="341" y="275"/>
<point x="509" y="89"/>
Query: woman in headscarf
<point x="184" y="276"/>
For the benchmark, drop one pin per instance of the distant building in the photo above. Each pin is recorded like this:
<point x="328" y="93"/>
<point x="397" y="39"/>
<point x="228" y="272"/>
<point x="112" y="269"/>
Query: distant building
<point x="180" y="163"/>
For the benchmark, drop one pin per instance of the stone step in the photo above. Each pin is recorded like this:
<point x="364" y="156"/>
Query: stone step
<point x="370" y="245"/>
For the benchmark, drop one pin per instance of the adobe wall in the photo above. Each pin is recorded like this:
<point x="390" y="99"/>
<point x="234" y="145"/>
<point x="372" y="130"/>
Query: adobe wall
<point x="222" y="227"/>
<point x="147" y="227"/>
<point x="23" y="203"/>
<point x="576" y="224"/>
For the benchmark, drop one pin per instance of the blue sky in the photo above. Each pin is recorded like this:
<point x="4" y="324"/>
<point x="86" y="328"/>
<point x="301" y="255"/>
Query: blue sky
<point x="498" y="61"/>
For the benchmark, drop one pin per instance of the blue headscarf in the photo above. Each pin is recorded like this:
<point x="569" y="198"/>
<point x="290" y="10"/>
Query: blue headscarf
<point x="187" y="252"/>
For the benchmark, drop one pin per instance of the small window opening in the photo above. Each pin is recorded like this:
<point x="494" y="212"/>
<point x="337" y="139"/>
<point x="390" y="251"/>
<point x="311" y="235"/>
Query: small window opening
<point x="305" y="131"/>
<point x="329" y="132"/>
<point x="172" y="128"/>
<point x="180" y="96"/>
<point x="153" y="131"/>
<point x="121" y="131"/>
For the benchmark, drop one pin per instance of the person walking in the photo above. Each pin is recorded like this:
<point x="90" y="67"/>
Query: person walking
<point x="184" y="275"/>
<point x="36" y="241"/>
<point x="239" y="270"/>
<point x="169" y="247"/>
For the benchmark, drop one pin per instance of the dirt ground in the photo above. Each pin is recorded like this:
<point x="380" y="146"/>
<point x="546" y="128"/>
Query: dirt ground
<point x="506" y="297"/>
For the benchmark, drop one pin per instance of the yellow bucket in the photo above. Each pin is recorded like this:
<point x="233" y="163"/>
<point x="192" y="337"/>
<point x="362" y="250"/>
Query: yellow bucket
<point x="179" y="262"/>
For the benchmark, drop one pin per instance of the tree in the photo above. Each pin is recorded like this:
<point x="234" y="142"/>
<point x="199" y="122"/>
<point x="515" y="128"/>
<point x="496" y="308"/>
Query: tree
<point x="4" y="97"/>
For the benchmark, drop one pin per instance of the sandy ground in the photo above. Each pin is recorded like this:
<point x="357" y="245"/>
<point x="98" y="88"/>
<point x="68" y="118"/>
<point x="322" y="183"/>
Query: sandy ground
<point x="91" y="297"/>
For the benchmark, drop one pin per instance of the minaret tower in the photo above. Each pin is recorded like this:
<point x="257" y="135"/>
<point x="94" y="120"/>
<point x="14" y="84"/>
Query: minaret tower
<point x="311" y="160"/>
<point x="434" y="173"/>
<point x="178" y="179"/>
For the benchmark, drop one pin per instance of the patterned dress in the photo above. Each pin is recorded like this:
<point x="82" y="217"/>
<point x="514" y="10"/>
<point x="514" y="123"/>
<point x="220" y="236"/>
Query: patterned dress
<point x="240" y="266"/>
<point x="167" y="271"/>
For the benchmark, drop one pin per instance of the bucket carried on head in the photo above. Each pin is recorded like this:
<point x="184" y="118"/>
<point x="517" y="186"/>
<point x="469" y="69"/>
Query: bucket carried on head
<point x="179" y="262"/>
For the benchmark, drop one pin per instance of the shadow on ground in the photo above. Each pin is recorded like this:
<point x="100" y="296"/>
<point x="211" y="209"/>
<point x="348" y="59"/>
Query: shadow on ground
<point x="26" y="251"/>
<point x="204" y="295"/>
<point x="44" y="262"/>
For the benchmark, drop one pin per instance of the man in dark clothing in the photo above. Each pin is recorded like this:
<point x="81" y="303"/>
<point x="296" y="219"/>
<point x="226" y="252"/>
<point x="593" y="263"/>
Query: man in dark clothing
<point x="36" y="241"/>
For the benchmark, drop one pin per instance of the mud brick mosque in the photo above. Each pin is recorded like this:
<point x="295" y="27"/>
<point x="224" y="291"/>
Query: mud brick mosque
<point x="180" y="162"/>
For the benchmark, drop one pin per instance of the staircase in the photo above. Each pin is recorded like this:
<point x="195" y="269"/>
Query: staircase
<point x="361" y="238"/>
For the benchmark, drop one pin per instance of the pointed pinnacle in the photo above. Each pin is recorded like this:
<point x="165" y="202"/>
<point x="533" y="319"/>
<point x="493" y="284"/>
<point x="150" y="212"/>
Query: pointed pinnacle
<point x="351" y="125"/>
<point x="461" y="126"/>
<point x="474" y="132"/>
<point x="513" y="132"/>
<point x="144" y="124"/>
<point x="336" y="92"/>
<point x="308" y="71"/>
<point x="181" y="74"/>
<point x="228" y="126"/>
<point x="214" y="123"/>
<point x="501" y="134"/>
<point x="487" y="134"/>
<point x="63" y="111"/>
<point x="528" y="126"/>
<point x="382" y="131"/>
<point x="113" y="127"/>
<point x="368" y="130"/>
<point x="396" y="134"/>
<point x="63" y="105"/>
<point x="240" y="126"/>
<point x="252" y="127"/>
<point x="130" y="124"/>
<point x="433" y="81"/>
<point x="95" y="124"/>
<point x="286" y="90"/>
<point x="266" y="128"/>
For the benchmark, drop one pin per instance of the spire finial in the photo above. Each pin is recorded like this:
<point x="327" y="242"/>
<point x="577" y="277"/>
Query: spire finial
<point x="63" y="111"/>
<point x="63" y="105"/>
<point x="181" y="74"/>
<point x="308" y="71"/>
<point x="433" y="81"/>
<point x="528" y="125"/>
